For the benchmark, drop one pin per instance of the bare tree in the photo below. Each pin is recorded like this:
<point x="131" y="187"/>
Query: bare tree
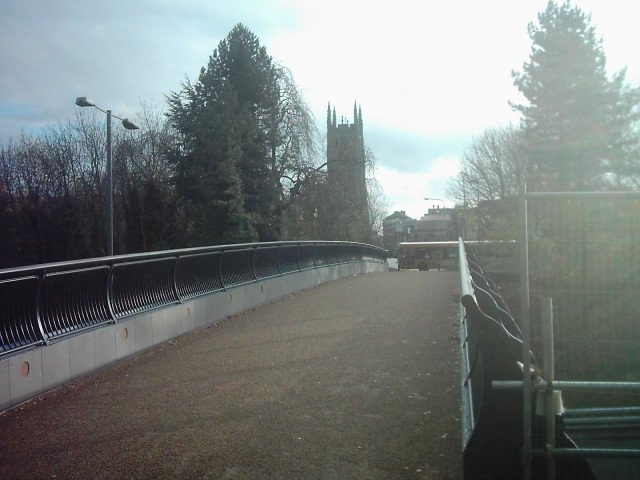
<point x="493" y="167"/>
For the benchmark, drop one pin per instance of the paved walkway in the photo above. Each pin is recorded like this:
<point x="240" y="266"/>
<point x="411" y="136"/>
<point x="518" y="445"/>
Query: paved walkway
<point x="356" y="379"/>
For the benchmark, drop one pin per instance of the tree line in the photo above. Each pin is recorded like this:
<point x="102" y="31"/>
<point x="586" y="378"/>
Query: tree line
<point x="237" y="157"/>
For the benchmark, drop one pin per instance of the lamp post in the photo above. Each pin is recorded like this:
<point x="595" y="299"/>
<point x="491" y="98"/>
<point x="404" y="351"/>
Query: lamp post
<point x="126" y="123"/>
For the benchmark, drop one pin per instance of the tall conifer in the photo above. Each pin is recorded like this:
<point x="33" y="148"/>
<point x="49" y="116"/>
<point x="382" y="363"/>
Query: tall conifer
<point x="576" y="120"/>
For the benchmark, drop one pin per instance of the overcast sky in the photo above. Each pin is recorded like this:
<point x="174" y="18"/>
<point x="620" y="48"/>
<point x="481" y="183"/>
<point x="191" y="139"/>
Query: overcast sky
<point x="429" y="74"/>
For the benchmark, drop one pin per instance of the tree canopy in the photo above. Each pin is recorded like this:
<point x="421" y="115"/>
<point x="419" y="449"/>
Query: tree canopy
<point x="247" y="136"/>
<point x="576" y="120"/>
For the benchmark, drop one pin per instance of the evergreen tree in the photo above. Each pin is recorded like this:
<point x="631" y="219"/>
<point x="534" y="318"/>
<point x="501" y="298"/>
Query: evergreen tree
<point x="225" y="161"/>
<point x="577" y="122"/>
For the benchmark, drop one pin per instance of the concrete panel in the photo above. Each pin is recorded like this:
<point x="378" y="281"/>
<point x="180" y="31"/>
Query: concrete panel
<point x="142" y="326"/>
<point x="174" y="322"/>
<point x="5" y="385"/>
<point x="56" y="364"/>
<point x="213" y="308"/>
<point x="277" y="287"/>
<point x="196" y="311"/>
<point x="25" y="375"/>
<point x="247" y="297"/>
<point x="81" y="354"/>
<point x="160" y="328"/>
<point x="188" y="320"/>
<point x="125" y="340"/>
<point x="104" y="346"/>
<point x="237" y="299"/>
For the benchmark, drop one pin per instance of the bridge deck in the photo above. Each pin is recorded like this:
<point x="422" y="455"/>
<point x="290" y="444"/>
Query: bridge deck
<point x="354" y="379"/>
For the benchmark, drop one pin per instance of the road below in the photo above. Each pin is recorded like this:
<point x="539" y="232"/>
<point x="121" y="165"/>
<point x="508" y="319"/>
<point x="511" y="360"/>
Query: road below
<point x="355" y="379"/>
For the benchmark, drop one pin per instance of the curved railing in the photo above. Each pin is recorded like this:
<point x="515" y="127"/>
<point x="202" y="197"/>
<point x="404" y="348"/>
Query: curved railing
<point x="491" y="350"/>
<point x="42" y="302"/>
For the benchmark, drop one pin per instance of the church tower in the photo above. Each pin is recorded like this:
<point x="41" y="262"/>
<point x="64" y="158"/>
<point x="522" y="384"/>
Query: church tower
<point x="346" y="173"/>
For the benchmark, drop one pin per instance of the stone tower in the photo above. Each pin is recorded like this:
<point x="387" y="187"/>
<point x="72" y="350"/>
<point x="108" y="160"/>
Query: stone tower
<point x="346" y="174"/>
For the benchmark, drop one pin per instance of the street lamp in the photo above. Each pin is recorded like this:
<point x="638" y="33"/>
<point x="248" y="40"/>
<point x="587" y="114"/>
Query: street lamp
<point x="129" y="125"/>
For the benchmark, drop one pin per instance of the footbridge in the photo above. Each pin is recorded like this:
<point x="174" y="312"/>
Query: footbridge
<point x="290" y="360"/>
<point x="225" y="363"/>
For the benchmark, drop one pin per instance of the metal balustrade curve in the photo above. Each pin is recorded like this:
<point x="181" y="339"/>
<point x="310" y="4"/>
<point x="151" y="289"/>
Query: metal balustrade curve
<point x="237" y="267"/>
<point x="19" y="328"/>
<point x="490" y="351"/>
<point x="266" y="264"/>
<point x="289" y="259"/>
<point x="39" y="303"/>
<point x="305" y="257"/>
<point x="198" y="274"/>
<point x="73" y="300"/>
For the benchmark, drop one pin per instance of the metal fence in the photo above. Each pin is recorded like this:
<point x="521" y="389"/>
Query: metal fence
<point x="577" y="291"/>
<point x="580" y="266"/>
<point x="40" y="303"/>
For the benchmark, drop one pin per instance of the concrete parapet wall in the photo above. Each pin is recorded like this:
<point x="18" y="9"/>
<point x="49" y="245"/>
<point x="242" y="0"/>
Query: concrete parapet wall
<point x="29" y="373"/>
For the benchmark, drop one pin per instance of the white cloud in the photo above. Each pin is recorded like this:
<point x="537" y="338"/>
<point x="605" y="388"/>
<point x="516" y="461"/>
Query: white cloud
<point x="438" y="72"/>
<point x="407" y="190"/>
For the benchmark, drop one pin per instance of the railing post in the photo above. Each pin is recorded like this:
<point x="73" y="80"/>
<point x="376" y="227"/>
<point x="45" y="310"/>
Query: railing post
<point x="279" y="249"/>
<point x="253" y="263"/>
<point x="313" y="255"/>
<point x="526" y="340"/>
<point x="176" y="292"/>
<point x="549" y="373"/>
<point x="109" y="293"/>
<point x="43" y="335"/>
<point x="224" y="287"/>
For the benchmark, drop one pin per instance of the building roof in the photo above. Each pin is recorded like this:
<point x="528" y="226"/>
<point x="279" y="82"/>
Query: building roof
<point x="398" y="215"/>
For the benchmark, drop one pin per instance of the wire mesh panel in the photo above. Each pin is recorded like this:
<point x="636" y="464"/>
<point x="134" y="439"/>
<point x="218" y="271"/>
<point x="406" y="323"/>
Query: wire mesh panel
<point x="288" y="258"/>
<point x="585" y="254"/>
<point x="332" y="253"/>
<point x="237" y="267"/>
<point x="74" y="300"/>
<point x="266" y="262"/>
<point x="198" y="274"/>
<point x="320" y="258"/>
<point x="305" y="253"/>
<point x="367" y="257"/>
<point x="344" y="254"/>
<point x="142" y="286"/>
<point x="18" y="318"/>
<point x="356" y="254"/>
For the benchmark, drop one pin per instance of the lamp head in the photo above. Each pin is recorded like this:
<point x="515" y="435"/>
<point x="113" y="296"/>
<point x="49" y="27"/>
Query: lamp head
<point x="85" y="102"/>
<point x="129" y="125"/>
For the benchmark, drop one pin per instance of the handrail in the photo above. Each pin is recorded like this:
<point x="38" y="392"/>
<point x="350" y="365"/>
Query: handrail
<point x="39" y="303"/>
<point x="466" y="288"/>
<point x="87" y="262"/>
<point x="490" y="351"/>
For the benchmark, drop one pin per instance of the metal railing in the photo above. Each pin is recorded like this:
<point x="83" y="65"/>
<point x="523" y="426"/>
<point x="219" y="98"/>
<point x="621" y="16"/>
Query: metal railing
<point x="40" y="303"/>
<point x="491" y="346"/>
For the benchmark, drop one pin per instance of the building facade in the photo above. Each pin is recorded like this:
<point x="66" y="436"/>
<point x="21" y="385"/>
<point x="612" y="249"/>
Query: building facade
<point x="396" y="228"/>
<point x="437" y="225"/>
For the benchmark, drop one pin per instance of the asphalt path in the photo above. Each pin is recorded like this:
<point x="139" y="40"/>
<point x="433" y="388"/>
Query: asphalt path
<point x="355" y="379"/>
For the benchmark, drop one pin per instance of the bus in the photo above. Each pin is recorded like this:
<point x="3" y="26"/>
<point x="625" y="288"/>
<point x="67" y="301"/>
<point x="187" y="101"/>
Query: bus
<point x="499" y="255"/>
<point x="428" y="255"/>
